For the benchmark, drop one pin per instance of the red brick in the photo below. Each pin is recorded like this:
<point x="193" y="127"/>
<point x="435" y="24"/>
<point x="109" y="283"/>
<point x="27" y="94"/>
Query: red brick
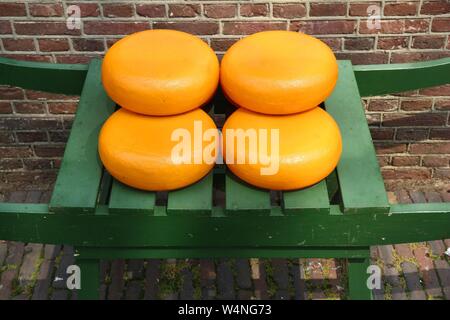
<point x="29" y="107"/>
<point x="117" y="10"/>
<point x="12" y="9"/>
<point x="9" y="93"/>
<point x="5" y="107"/>
<point x="31" y="136"/>
<point x="194" y="27"/>
<point x="383" y="105"/>
<point x="364" y="57"/>
<point x="29" y="123"/>
<point x="76" y="58"/>
<point x="360" y="8"/>
<point x="435" y="7"/>
<point x="86" y="9"/>
<point x="416" y="25"/>
<point x="327" y="9"/>
<point x="442" y="104"/>
<point x="402" y="57"/>
<point x="289" y="10"/>
<point x="253" y="10"/>
<point x="435" y="161"/>
<point x="41" y="95"/>
<point x="405" y="161"/>
<point x="28" y="57"/>
<point x="324" y="26"/>
<point x="334" y="43"/>
<point x="151" y="10"/>
<point x="440" y="134"/>
<point x="359" y="43"/>
<point x="6" y="137"/>
<point x="414" y="119"/>
<point x="428" y="42"/>
<point x="383" y="161"/>
<point x="49" y="45"/>
<point x="5" y="27"/>
<point x="184" y="10"/>
<point x="50" y="150"/>
<point x="43" y="28"/>
<point x="412" y="134"/>
<point x="10" y="164"/>
<point x="406" y="173"/>
<point x="218" y="11"/>
<point x="441" y="25"/>
<point x="389" y="148"/>
<point x="392" y="43"/>
<point x="436" y="91"/>
<point x="250" y="27"/>
<point x="400" y="8"/>
<point x="442" y="173"/>
<point x="83" y="44"/>
<point x="382" y="134"/>
<point x="37" y="164"/>
<point x="222" y="44"/>
<point x="62" y="107"/>
<point x="432" y="147"/>
<point x="113" y="28"/>
<point x="416" y="105"/>
<point x="373" y="119"/>
<point x="110" y="42"/>
<point x="11" y="44"/>
<point x="59" y="136"/>
<point x="386" y="26"/>
<point x="46" y="9"/>
<point x="15" y="152"/>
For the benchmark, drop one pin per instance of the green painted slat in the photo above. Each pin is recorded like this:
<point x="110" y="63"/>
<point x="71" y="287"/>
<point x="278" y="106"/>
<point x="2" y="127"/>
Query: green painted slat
<point x="50" y="77"/>
<point x="79" y="177"/>
<point x="192" y="200"/>
<point x="359" y="175"/>
<point x="125" y="199"/>
<point x="391" y="78"/>
<point x="312" y="199"/>
<point x="242" y="198"/>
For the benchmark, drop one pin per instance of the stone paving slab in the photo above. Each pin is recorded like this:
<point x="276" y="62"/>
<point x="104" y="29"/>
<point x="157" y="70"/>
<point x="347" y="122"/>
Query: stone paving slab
<point x="414" y="271"/>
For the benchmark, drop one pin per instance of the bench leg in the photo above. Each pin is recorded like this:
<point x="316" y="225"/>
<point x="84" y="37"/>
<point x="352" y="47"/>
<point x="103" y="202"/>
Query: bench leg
<point x="90" y="279"/>
<point x="357" y="279"/>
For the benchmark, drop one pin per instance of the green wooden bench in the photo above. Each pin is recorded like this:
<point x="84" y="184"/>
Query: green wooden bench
<point x="221" y="216"/>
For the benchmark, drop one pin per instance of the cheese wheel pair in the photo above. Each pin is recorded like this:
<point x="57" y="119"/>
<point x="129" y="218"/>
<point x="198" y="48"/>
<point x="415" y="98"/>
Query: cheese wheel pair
<point x="160" y="72"/>
<point x="278" y="72"/>
<point x="282" y="152"/>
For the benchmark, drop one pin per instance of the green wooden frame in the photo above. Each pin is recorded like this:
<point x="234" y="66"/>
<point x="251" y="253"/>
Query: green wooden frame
<point x="340" y="217"/>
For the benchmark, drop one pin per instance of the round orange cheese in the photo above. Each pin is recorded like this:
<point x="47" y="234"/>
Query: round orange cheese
<point x="158" y="153"/>
<point x="278" y="72"/>
<point x="160" y="72"/>
<point x="281" y="152"/>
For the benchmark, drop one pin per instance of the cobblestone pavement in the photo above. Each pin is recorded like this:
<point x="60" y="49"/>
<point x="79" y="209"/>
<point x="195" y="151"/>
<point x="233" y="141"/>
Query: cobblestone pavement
<point x="410" y="271"/>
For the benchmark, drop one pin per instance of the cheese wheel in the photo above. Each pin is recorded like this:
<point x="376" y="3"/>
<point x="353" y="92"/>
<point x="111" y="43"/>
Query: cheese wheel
<point x="305" y="151"/>
<point x="158" y="153"/>
<point x="160" y="72"/>
<point x="278" y="72"/>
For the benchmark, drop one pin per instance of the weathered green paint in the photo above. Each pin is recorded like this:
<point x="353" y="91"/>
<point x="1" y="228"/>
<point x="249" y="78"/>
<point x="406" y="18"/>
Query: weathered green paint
<point x="216" y="252"/>
<point x="79" y="177"/>
<point x="192" y="200"/>
<point x="381" y="79"/>
<point x="311" y="199"/>
<point x="32" y="223"/>
<point x="357" y="279"/>
<point x="361" y="184"/>
<point x="57" y="78"/>
<point x="127" y="200"/>
<point x="90" y="278"/>
<point x="244" y="199"/>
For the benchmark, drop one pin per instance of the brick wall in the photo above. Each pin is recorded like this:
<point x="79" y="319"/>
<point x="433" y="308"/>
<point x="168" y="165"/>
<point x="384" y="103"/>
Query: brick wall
<point x="411" y="130"/>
